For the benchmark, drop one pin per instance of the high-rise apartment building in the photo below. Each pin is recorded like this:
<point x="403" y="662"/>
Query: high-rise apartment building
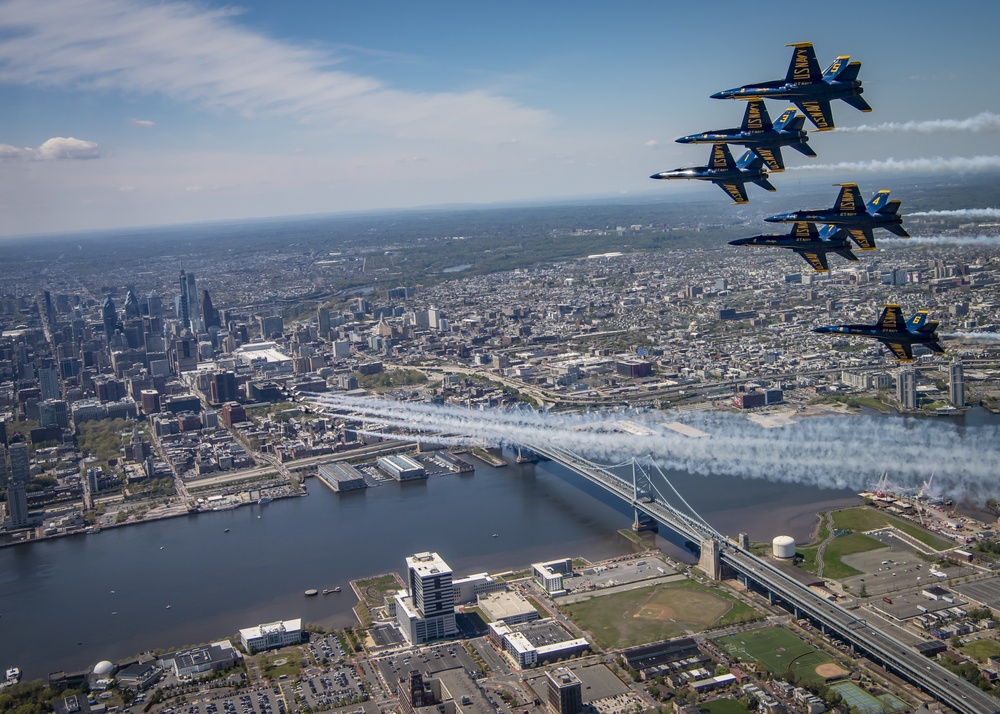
<point x="20" y="463"/>
<point x="906" y="388"/>
<point x="17" y="504"/>
<point x="426" y="611"/>
<point x="956" y="383"/>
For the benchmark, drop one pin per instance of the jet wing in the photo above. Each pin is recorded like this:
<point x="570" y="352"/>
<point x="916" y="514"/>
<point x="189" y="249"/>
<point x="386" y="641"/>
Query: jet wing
<point x="755" y="118"/>
<point x="901" y="350"/>
<point x="819" y="113"/>
<point x="803" y="69"/>
<point x="863" y="237"/>
<point x="721" y="158"/>
<point x="816" y="259"/>
<point x="771" y="157"/>
<point x="736" y="191"/>
<point x="891" y="320"/>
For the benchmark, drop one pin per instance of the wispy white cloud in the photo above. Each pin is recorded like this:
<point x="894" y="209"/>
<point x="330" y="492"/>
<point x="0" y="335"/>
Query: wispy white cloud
<point x="956" y="163"/>
<point x="204" y="56"/>
<point x="652" y="143"/>
<point x="142" y="122"/>
<point x="58" y="148"/>
<point x="983" y="122"/>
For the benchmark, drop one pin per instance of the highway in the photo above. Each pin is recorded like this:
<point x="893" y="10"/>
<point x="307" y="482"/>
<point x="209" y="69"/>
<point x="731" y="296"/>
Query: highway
<point x="862" y="636"/>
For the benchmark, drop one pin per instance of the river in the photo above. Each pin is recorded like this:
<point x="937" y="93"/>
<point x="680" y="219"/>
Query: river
<point x="68" y="603"/>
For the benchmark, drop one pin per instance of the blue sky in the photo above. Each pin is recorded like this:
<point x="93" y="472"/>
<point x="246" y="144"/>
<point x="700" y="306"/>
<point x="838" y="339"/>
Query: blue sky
<point x="131" y="113"/>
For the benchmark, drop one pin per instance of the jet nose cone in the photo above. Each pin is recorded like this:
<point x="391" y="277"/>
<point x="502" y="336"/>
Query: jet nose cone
<point x="825" y="328"/>
<point x="740" y="241"/>
<point x="721" y="95"/>
<point x="685" y="139"/>
<point x="779" y="218"/>
<point x="662" y="175"/>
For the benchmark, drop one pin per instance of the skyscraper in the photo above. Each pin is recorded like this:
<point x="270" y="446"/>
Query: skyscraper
<point x="906" y="388"/>
<point x="48" y="382"/>
<point x="20" y="463"/>
<point x="17" y="504"/>
<point x="956" y="386"/>
<point x="427" y="611"/>
<point x="155" y="304"/>
<point x="4" y="470"/>
<point x="209" y="314"/>
<point x="188" y="298"/>
<point x="108" y="317"/>
<point x="323" y="319"/>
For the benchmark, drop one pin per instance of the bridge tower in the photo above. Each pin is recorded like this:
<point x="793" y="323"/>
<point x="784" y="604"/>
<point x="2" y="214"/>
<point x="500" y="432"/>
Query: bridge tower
<point x="642" y="492"/>
<point x="709" y="562"/>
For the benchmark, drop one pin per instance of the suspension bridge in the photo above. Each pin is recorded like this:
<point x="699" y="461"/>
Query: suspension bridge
<point x="720" y="556"/>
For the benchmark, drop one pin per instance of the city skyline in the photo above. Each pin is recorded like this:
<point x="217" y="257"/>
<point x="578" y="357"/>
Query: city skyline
<point x="126" y="113"/>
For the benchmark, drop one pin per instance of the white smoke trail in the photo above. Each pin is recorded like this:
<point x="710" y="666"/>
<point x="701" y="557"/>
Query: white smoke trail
<point x="962" y="213"/>
<point x="829" y="452"/>
<point x="972" y="336"/>
<point x="985" y="121"/>
<point x="956" y="163"/>
<point x="942" y="240"/>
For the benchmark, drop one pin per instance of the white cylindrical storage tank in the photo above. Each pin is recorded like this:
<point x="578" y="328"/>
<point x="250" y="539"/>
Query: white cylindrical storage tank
<point x="783" y="547"/>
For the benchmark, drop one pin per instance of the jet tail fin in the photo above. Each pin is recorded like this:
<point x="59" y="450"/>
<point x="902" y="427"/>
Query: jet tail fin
<point x="765" y="184"/>
<point x="919" y="323"/>
<point x="843" y="71"/>
<point x="891" y="208"/>
<point x="935" y="347"/>
<point x="898" y="230"/>
<point x="786" y="122"/>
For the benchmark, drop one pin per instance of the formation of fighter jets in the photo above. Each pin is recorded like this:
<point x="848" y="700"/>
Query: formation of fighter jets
<point x="816" y="232"/>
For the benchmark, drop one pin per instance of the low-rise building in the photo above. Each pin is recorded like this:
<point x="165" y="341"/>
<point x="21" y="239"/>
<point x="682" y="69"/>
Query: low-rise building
<point x="271" y="635"/>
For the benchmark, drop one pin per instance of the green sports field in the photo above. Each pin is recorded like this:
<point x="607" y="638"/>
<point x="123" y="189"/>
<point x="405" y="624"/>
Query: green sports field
<point x="779" y="651"/>
<point x="660" y="612"/>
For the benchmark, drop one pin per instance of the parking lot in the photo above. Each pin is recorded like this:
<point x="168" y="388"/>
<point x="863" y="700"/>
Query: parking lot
<point x="897" y="567"/>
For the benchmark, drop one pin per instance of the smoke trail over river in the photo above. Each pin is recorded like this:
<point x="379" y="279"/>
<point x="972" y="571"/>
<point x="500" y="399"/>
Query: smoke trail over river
<point x="829" y="452"/>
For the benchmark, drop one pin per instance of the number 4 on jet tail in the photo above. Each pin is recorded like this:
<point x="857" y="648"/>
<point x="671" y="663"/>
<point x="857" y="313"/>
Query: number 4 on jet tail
<point x="893" y="332"/>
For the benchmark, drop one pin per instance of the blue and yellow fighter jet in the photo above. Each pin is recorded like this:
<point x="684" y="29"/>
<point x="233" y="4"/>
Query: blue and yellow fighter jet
<point x="811" y="243"/>
<point x="851" y="214"/>
<point x="807" y="88"/>
<point x="894" y="333"/>
<point x="731" y="176"/>
<point x="758" y="134"/>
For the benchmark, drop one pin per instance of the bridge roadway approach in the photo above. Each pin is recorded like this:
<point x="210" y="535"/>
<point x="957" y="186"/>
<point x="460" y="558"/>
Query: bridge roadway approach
<point x="781" y="589"/>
